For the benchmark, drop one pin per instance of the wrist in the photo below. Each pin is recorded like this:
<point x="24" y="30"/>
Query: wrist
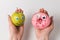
<point x="43" y="37"/>
<point x="13" y="37"/>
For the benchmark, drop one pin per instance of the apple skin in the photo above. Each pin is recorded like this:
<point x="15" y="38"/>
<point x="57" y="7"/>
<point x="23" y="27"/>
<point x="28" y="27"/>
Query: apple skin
<point x="18" y="18"/>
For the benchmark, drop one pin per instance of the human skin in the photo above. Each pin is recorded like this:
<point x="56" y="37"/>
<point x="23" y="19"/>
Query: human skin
<point x="44" y="33"/>
<point x="16" y="33"/>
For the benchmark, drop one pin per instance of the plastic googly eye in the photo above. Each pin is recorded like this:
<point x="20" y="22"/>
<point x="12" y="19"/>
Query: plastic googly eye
<point x="38" y="16"/>
<point x="23" y="17"/>
<point x="43" y="17"/>
<point x="17" y="18"/>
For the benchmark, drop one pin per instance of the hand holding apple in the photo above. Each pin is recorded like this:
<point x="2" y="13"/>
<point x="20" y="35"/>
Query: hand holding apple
<point x="18" y="17"/>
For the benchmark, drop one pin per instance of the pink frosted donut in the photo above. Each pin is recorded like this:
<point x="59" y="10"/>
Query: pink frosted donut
<point x="40" y="20"/>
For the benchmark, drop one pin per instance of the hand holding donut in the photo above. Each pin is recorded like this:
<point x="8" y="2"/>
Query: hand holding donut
<point x="41" y="19"/>
<point x="43" y="24"/>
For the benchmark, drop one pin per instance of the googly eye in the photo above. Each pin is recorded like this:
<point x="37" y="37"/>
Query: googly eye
<point x="17" y="18"/>
<point x="23" y="17"/>
<point x="38" y="16"/>
<point x="43" y="17"/>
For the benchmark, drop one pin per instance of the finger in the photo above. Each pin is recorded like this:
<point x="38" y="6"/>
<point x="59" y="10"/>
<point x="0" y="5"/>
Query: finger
<point x="9" y="20"/>
<point x="19" y="10"/>
<point x="51" y="26"/>
<point x="46" y="12"/>
<point x="21" y="29"/>
<point x="11" y="25"/>
<point x="43" y="11"/>
<point x="51" y="18"/>
<point x="52" y="22"/>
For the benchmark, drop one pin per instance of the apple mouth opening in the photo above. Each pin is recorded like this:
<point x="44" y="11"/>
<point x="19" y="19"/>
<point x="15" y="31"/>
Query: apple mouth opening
<point x="39" y="20"/>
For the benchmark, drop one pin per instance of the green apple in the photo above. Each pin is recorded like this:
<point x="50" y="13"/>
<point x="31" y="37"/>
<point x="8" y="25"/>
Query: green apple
<point x="18" y="18"/>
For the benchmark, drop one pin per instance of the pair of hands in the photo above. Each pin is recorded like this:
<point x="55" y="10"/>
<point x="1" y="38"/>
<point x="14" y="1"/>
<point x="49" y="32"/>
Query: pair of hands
<point x="16" y="33"/>
<point x="44" y="33"/>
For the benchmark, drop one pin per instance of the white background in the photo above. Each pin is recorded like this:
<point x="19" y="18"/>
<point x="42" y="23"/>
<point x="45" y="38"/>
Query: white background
<point x="29" y="7"/>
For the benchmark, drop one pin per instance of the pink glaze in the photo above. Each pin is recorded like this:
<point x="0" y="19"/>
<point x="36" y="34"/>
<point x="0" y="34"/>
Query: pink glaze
<point x="40" y="20"/>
